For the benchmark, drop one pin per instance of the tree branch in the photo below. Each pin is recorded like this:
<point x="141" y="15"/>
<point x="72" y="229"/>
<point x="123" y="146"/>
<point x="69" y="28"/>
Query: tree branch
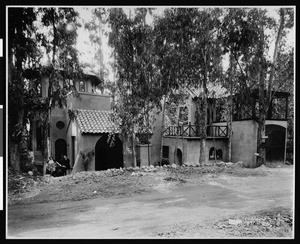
<point x="275" y="54"/>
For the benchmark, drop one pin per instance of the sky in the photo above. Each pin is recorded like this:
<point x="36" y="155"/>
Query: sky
<point x="86" y="51"/>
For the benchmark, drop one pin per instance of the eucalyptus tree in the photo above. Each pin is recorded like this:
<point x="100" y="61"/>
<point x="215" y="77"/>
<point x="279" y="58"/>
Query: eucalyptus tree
<point x="33" y="35"/>
<point x="22" y="49"/>
<point x="132" y="40"/>
<point x="96" y="27"/>
<point x="58" y="39"/>
<point x="245" y="39"/>
<point x="189" y="55"/>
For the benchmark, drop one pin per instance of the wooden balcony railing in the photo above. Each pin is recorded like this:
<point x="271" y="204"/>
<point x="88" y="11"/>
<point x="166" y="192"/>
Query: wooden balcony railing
<point x="194" y="131"/>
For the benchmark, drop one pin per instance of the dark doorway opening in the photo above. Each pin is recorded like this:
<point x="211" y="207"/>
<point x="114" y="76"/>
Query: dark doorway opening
<point x="179" y="156"/>
<point x="107" y="157"/>
<point x="275" y="143"/>
<point x="219" y="154"/>
<point x="212" y="153"/>
<point x="60" y="149"/>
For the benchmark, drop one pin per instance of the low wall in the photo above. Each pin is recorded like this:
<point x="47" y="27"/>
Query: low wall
<point x="191" y="148"/>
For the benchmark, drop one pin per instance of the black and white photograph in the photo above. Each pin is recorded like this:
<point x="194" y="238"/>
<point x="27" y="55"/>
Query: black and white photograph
<point x="149" y="122"/>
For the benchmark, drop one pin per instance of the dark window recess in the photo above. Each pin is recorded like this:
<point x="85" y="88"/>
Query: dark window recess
<point x="39" y="138"/>
<point x="60" y="125"/>
<point x="39" y="89"/>
<point x="215" y="152"/>
<point x="165" y="152"/>
<point x="81" y="86"/>
<point x="143" y="138"/>
<point x="212" y="153"/>
<point x="219" y="154"/>
<point x="183" y="115"/>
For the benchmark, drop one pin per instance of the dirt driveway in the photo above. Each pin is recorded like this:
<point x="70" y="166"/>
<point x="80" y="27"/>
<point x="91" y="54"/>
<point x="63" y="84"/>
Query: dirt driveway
<point x="174" y="205"/>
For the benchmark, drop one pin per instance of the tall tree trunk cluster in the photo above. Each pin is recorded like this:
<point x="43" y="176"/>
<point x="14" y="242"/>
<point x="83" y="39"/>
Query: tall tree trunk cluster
<point x="265" y="97"/>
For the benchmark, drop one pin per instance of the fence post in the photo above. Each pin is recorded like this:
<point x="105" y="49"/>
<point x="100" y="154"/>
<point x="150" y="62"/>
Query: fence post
<point x="189" y="129"/>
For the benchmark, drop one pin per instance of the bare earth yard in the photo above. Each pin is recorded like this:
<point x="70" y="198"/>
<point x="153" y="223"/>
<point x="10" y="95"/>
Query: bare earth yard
<point x="184" y="202"/>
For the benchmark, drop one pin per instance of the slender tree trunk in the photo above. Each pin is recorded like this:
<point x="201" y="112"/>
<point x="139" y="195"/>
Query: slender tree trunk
<point x="14" y="140"/>
<point x="162" y="129"/>
<point x="148" y="140"/>
<point x="229" y="123"/>
<point x="264" y="102"/>
<point x="202" y="157"/>
<point x="272" y="73"/>
<point x="47" y="131"/>
<point x="176" y="144"/>
<point x="203" y="112"/>
<point x="262" y="113"/>
<point x="14" y="153"/>
<point x="14" y="144"/>
<point x="214" y="143"/>
<point x="133" y="150"/>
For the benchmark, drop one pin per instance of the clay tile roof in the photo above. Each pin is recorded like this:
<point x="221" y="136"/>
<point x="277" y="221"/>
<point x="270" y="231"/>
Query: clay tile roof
<point x="95" y="121"/>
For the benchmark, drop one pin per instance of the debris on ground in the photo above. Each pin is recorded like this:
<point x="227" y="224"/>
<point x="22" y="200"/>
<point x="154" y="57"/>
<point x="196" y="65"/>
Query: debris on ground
<point x="234" y="221"/>
<point x="23" y="182"/>
<point x="122" y="181"/>
<point x="174" y="179"/>
<point x="268" y="223"/>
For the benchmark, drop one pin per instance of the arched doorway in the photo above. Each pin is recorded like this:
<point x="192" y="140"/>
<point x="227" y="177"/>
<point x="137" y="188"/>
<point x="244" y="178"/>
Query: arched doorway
<point x="212" y="153"/>
<point x="60" y="149"/>
<point x="107" y="157"/>
<point x="179" y="156"/>
<point x="275" y="143"/>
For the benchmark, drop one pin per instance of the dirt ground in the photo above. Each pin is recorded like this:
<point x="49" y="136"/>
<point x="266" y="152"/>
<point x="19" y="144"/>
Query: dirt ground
<point x="185" y="202"/>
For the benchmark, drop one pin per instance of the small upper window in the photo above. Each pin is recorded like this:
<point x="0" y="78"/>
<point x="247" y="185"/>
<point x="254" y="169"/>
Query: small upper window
<point x="60" y="125"/>
<point x="183" y="115"/>
<point x="81" y="86"/>
<point x="39" y="89"/>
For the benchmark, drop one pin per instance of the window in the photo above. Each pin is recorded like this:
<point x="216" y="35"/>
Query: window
<point x="81" y="86"/>
<point x="183" y="115"/>
<point x="39" y="89"/>
<point x="60" y="125"/>
<point x="212" y="153"/>
<point x="218" y="152"/>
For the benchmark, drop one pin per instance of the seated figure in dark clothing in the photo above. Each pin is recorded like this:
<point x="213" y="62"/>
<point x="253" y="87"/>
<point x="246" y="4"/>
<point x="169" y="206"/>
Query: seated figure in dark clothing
<point x="66" y="162"/>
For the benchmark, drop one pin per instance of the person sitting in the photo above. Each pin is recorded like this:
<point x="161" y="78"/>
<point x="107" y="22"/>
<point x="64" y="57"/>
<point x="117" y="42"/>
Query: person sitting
<point x="60" y="169"/>
<point x="54" y="168"/>
<point x="66" y="162"/>
<point x="51" y="166"/>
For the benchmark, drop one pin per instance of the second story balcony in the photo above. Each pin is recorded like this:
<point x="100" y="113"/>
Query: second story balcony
<point x="193" y="131"/>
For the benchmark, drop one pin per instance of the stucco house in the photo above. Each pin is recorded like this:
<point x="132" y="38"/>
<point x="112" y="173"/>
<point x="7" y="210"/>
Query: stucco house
<point x="181" y="142"/>
<point x="84" y="124"/>
<point x="89" y="126"/>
